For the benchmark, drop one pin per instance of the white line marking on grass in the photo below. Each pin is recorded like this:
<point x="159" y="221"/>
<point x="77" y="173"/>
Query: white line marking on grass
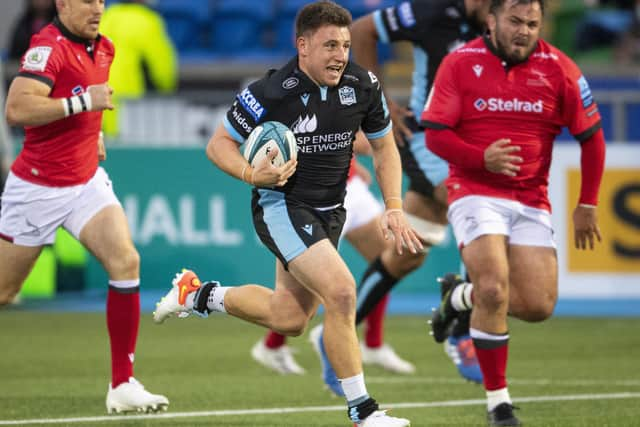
<point x="532" y="382"/>
<point x="267" y="411"/>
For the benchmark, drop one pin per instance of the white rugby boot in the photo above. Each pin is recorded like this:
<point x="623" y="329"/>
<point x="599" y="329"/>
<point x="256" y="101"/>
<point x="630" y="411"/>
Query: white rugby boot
<point x="278" y="359"/>
<point x="381" y="419"/>
<point x="132" y="397"/>
<point x="386" y="358"/>
<point x="175" y="301"/>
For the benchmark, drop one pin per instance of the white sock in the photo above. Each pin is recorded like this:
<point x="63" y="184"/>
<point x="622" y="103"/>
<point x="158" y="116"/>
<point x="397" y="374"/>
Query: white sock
<point x="461" y="297"/>
<point x="496" y="397"/>
<point x="215" y="302"/>
<point x="354" y="388"/>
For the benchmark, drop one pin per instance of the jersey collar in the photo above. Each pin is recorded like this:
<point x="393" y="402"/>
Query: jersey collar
<point x="69" y="35"/>
<point x="290" y="80"/>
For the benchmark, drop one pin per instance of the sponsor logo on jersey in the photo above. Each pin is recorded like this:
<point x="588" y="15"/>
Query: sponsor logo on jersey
<point x="348" y="94"/>
<point x="544" y="55"/>
<point x="391" y="19"/>
<point x="455" y="45"/>
<point x="471" y="50"/>
<point x="305" y="124"/>
<point x="509" y="105"/>
<point x="321" y="143"/>
<point x="477" y="69"/>
<point x="585" y="92"/>
<point x="36" y="58"/>
<point x="251" y="104"/>
<point x="480" y="104"/>
<point x="405" y="13"/>
<point x="290" y="83"/>
<point x="241" y="120"/>
<point x="350" y="77"/>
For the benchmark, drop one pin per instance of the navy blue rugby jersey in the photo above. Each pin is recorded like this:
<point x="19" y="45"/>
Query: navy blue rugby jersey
<point x="324" y="121"/>
<point x="435" y="28"/>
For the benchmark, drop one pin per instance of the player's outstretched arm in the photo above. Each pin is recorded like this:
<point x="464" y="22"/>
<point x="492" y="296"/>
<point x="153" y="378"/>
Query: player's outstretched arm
<point x="223" y="151"/>
<point x="387" y="164"/>
<point x="29" y="104"/>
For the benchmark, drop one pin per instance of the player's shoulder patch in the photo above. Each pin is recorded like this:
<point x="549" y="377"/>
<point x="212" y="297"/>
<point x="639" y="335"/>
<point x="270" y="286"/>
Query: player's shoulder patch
<point x="36" y="58"/>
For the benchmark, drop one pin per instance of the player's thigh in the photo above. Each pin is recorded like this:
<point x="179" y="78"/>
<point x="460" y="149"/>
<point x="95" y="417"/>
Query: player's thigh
<point x="367" y="239"/>
<point x="16" y="263"/>
<point x="322" y="271"/>
<point x="292" y="299"/>
<point x="106" y="235"/>
<point x="534" y="281"/>
<point x="486" y="261"/>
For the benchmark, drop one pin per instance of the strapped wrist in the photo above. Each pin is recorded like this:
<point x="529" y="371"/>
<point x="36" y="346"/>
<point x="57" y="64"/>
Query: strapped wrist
<point x="77" y="104"/>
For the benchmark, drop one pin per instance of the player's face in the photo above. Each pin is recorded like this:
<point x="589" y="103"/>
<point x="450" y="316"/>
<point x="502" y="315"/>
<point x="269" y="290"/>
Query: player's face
<point x="81" y="17"/>
<point x="324" y="54"/>
<point x="515" y="30"/>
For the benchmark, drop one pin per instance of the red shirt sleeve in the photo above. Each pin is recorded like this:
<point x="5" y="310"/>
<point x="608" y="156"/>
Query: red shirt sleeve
<point x="444" y="105"/>
<point x="579" y="110"/>
<point x="592" y="157"/>
<point x="43" y="61"/>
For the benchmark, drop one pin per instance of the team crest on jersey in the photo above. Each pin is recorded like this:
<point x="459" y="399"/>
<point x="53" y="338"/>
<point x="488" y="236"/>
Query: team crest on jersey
<point x="36" y="58"/>
<point x="477" y="69"/>
<point x="347" y="95"/>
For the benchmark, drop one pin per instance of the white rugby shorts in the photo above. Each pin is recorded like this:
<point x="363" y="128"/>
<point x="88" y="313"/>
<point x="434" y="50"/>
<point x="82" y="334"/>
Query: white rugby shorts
<point x="475" y="216"/>
<point x="361" y="205"/>
<point x="30" y="213"/>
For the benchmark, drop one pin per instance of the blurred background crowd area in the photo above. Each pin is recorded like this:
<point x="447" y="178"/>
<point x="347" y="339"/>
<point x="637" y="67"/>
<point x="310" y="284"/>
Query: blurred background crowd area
<point x="182" y="61"/>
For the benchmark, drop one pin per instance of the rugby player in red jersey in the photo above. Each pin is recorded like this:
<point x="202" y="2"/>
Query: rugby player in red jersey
<point x="496" y="106"/>
<point x="58" y="97"/>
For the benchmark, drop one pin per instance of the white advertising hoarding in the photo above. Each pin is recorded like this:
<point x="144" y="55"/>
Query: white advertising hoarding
<point x="613" y="269"/>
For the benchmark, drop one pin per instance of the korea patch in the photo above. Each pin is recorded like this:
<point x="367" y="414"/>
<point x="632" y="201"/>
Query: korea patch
<point x="585" y="92"/>
<point x="36" y="58"/>
<point x="347" y="95"/>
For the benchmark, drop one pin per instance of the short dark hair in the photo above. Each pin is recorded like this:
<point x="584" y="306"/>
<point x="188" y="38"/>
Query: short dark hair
<point x="321" y="13"/>
<point x="497" y="4"/>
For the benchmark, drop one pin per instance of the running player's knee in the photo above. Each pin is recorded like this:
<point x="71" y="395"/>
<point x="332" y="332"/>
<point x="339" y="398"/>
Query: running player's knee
<point x="429" y="232"/>
<point x="491" y="292"/>
<point x="341" y="299"/>
<point x="126" y="262"/>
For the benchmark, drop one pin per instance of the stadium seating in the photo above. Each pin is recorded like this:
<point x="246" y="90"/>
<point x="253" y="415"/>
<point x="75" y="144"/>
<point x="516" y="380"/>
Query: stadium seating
<point x="240" y="26"/>
<point x="185" y="21"/>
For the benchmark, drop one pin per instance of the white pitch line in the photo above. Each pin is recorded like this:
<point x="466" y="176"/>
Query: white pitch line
<point x="268" y="411"/>
<point x="525" y="382"/>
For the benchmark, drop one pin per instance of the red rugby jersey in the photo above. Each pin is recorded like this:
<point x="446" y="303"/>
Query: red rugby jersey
<point x="63" y="152"/>
<point x="482" y="100"/>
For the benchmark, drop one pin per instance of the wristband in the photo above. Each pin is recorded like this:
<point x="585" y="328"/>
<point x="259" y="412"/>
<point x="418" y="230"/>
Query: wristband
<point x="77" y="104"/>
<point x="393" y="202"/>
<point x="244" y="169"/>
<point x="585" y="205"/>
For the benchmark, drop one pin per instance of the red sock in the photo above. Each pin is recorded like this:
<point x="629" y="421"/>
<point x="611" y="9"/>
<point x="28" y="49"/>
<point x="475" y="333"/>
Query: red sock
<point x="374" y="324"/>
<point x="492" y="356"/>
<point x="274" y="340"/>
<point x="123" y="318"/>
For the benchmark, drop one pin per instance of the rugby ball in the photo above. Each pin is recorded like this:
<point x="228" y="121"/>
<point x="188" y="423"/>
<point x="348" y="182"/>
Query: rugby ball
<point x="267" y="136"/>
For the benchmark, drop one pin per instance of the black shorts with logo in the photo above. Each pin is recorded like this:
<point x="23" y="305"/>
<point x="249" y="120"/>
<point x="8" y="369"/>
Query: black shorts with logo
<point x="288" y="227"/>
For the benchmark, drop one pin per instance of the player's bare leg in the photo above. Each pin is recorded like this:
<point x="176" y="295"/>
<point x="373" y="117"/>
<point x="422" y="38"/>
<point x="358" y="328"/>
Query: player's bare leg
<point x="533" y="273"/>
<point x="487" y="262"/>
<point x="107" y="236"/>
<point x="16" y="262"/>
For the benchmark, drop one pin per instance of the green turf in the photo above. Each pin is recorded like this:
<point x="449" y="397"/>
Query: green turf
<point x="57" y="366"/>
